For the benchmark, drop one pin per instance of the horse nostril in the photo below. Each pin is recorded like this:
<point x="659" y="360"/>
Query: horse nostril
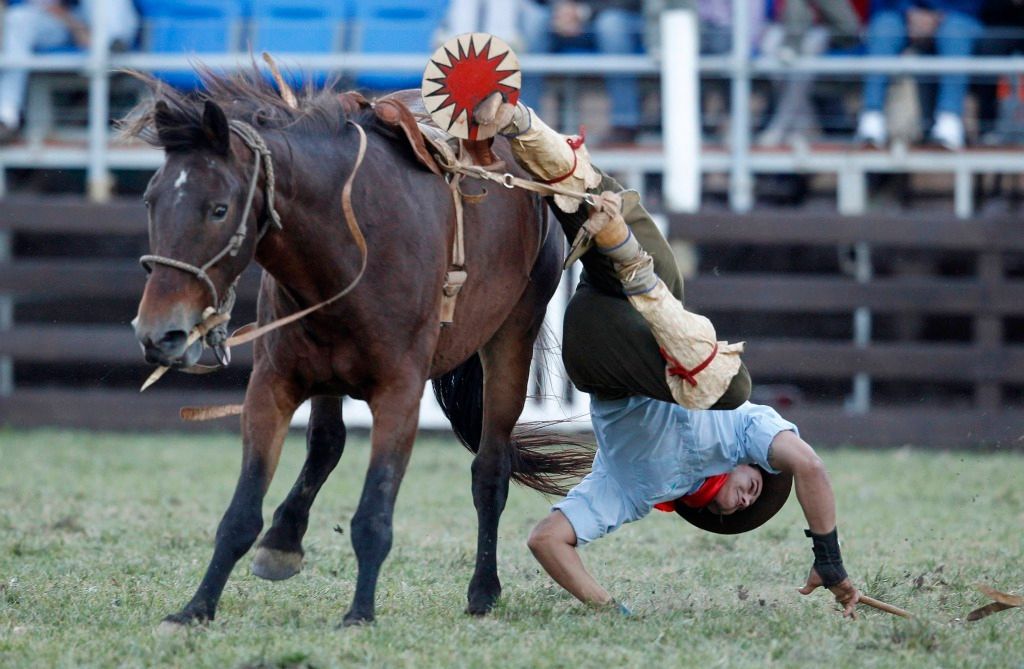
<point x="173" y="342"/>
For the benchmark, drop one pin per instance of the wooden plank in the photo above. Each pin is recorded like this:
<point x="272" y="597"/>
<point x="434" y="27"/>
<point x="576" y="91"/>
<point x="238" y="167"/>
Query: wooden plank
<point x="741" y="292"/>
<point x="924" y="428"/>
<point x="112" y="410"/>
<point x="836" y="294"/>
<point x="101" y="344"/>
<point x="768" y="227"/>
<point x="72" y="214"/>
<point x="64" y="277"/>
<point x="795" y="359"/>
<point x="905" y="361"/>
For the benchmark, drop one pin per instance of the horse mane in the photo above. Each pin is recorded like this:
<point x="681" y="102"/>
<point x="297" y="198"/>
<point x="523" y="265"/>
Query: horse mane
<point x="246" y="95"/>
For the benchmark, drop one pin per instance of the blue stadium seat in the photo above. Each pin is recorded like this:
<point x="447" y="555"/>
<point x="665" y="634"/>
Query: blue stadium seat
<point x="192" y="27"/>
<point x="297" y="26"/>
<point x="395" y="26"/>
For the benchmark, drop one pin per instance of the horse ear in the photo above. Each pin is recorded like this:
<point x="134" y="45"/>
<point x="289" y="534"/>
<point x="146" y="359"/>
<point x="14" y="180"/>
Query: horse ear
<point x="162" y="116"/>
<point x="215" y="127"/>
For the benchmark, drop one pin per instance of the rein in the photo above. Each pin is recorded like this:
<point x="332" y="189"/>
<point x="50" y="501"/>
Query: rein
<point x="214" y="318"/>
<point x="261" y="156"/>
<point x="509" y="180"/>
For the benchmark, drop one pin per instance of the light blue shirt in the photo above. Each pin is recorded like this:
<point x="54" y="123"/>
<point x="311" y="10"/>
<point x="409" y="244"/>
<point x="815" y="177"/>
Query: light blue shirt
<point x="650" y="451"/>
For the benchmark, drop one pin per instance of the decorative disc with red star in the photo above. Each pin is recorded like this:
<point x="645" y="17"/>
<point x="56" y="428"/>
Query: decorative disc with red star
<point x="464" y="71"/>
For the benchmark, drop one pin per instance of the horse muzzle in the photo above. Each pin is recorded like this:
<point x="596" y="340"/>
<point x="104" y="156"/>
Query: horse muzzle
<point x="168" y="346"/>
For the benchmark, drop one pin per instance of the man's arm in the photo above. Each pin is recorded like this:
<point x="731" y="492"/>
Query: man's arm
<point x="790" y="453"/>
<point x="553" y="543"/>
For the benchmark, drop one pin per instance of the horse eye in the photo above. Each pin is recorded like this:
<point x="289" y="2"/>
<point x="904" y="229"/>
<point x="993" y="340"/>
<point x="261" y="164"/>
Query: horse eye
<point x="219" y="211"/>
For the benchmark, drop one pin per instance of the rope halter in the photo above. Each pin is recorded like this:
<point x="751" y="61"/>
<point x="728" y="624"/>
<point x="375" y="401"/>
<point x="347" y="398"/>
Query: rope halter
<point x="261" y="158"/>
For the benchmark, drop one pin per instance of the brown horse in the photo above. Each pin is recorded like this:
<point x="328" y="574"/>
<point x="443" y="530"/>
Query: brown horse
<point x="247" y="177"/>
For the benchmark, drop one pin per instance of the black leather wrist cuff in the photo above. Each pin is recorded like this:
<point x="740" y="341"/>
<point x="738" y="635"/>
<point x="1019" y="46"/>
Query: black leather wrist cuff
<point x="828" y="561"/>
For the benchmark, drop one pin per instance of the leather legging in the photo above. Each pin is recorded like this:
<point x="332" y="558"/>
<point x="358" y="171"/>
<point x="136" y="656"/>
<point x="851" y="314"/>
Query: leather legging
<point x="607" y="346"/>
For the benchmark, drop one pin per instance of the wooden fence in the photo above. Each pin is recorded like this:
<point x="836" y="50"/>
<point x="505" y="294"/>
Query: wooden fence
<point x="984" y="366"/>
<point x="69" y="285"/>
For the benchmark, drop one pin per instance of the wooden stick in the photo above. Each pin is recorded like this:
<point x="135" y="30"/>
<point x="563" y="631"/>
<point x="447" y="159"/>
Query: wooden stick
<point x="882" y="606"/>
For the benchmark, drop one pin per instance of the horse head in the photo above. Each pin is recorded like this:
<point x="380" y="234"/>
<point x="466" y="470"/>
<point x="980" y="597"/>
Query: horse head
<point x="203" y="225"/>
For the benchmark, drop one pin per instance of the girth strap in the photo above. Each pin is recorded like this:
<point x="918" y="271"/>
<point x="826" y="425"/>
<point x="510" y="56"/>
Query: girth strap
<point x="456" y="275"/>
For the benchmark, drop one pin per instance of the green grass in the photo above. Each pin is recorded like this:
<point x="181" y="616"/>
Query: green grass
<point x="103" y="535"/>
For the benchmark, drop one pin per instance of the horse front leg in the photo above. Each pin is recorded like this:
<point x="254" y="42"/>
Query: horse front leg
<point x="506" y="362"/>
<point x="279" y="553"/>
<point x="395" y="417"/>
<point x="265" y="418"/>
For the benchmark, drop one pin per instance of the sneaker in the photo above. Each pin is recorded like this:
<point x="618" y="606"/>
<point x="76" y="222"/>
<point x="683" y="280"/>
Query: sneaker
<point x="948" y="131"/>
<point x="771" y="137"/>
<point x="871" y="129"/>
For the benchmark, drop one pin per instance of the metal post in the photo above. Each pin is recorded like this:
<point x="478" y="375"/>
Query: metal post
<point x="680" y="109"/>
<point x="98" y="175"/>
<point x="963" y="192"/>
<point x="741" y="181"/>
<point x="852" y="202"/>
<point x="6" y="320"/>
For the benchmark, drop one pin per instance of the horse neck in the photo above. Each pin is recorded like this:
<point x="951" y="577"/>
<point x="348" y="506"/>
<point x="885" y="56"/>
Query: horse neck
<point x="310" y="175"/>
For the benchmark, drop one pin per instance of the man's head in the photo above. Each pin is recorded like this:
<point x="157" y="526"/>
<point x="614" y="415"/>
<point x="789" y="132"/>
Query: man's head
<point x="747" y="499"/>
<point x="740" y="490"/>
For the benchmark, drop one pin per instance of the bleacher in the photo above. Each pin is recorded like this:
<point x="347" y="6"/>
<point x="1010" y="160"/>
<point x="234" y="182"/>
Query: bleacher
<point x="382" y="45"/>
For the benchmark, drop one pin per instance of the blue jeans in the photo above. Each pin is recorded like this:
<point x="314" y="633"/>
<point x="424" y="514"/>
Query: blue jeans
<point x="887" y="36"/>
<point x="611" y="31"/>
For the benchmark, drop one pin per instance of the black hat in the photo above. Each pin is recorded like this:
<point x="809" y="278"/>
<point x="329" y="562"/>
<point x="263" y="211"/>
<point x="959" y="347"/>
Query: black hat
<point x="774" y="493"/>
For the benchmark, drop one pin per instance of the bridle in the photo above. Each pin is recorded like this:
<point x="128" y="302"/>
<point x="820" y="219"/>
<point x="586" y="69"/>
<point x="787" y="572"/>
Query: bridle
<point x="221" y="308"/>
<point x="213" y="328"/>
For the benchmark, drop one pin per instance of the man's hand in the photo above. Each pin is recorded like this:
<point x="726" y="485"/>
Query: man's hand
<point x="493" y="114"/>
<point x="845" y="592"/>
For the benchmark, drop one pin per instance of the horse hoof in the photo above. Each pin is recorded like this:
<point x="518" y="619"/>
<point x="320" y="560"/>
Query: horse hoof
<point x="170" y="628"/>
<point x="356" y="620"/>
<point x="275" y="565"/>
<point x="480" y="609"/>
<point x="483" y="598"/>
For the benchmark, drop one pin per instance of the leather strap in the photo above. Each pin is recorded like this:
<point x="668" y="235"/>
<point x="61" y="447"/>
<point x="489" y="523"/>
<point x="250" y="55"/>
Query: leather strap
<point x="353" y="227"/>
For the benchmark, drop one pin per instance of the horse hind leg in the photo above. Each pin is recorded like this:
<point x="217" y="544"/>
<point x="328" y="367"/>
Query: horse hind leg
<point x="265" y="421"/>
<point x="279" y="553"/>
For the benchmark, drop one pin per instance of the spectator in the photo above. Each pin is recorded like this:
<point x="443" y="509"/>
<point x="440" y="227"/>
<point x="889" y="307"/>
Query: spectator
<point x="953" y="25"/>
<point x="716" y="22"/>
<point x="607" y="26"/>
<point x="796" y="33"/>
<point x="50" y="24"/>
<point x="716" y="25"/>
<point x="497" y="17"/>
<point x="1003" y="36"/>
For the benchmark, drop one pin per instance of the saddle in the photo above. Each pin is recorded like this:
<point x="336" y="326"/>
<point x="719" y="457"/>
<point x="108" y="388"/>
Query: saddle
<point x="438" y="152"/>
<point x="433" y="147"/>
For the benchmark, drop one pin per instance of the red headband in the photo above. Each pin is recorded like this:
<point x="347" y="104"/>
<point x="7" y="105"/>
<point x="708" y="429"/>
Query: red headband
<point x="700" y="498"/>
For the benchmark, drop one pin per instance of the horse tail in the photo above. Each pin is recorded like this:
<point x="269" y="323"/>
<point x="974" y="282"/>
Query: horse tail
<point x="545" y="461"/>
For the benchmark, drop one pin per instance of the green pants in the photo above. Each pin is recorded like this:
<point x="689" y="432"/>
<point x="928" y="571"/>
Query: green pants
<point x="607" y="346"/>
